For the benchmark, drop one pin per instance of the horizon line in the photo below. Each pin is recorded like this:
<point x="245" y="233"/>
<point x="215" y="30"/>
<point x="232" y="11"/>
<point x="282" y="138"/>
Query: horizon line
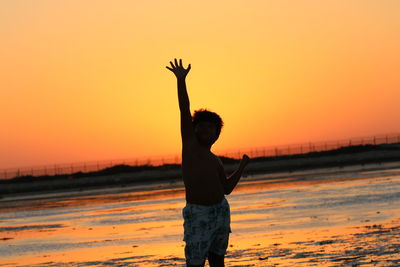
<point x="219" y="152"/>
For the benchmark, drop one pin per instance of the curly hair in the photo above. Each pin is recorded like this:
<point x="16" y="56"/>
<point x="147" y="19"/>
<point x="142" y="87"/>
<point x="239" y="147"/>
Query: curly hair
<point x="209" y="116"/>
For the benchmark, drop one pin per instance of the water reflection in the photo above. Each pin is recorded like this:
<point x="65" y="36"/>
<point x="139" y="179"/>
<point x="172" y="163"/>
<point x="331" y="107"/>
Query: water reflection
<point x="292" y="222"/>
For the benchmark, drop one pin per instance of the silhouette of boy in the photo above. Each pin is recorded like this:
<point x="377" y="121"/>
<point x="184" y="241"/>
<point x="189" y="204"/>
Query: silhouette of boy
<point x="206" y="214"/>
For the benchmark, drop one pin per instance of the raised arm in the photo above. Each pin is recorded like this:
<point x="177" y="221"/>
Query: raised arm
<point x="187" y="131"/>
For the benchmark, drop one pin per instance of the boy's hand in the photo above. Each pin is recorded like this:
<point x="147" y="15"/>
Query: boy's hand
<point x="179" y="71"/>
<point x="245" y="160"/>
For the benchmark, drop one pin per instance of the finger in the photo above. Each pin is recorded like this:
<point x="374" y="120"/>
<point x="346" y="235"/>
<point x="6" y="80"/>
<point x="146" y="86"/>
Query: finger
<point x="176" y="62"/>
<point x="180" y="63"/>
<point x="169" y="68"/>
<point x="189" y="67"/>
<point x="172" y="64"/>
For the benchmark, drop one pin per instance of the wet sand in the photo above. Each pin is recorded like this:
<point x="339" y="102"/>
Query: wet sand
<point x="335" y="217"/>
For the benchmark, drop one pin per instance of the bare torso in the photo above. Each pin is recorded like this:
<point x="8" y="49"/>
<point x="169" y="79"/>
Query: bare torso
<point x="201" y="176"/>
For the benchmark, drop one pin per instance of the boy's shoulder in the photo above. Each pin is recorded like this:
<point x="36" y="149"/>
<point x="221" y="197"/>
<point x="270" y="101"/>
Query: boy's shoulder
<point x="199" y="152"/>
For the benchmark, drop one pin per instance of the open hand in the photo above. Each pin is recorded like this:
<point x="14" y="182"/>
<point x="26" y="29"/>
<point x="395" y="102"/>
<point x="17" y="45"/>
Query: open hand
<point x="179" y="71"/>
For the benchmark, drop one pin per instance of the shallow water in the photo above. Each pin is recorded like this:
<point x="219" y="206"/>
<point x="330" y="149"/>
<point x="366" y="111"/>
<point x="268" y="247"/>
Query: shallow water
<point x="341" y="218"/>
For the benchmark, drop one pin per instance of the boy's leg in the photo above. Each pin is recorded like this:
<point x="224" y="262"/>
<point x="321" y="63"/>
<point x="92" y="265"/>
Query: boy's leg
<point x="220" y="237"/>
<point x="216" y="254"/>
<point x="201" y="265"/>
<point x="216" y="260"/>
<point x="196" y="234"/>
<point x="196" y="253"/>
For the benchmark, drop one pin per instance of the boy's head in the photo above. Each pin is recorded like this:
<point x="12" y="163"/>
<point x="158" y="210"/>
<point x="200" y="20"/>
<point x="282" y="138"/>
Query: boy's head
<point x="207" y="126"/>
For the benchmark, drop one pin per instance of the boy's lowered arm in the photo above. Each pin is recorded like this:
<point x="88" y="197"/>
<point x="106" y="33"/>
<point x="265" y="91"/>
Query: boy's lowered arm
<point x="231" y="182"/>
<point x="187" y="131"/>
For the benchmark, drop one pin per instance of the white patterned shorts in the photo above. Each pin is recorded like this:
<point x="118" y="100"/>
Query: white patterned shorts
<point x="206" y="229"/>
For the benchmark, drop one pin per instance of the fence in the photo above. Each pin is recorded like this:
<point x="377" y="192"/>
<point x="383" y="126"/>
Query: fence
<point x="157" y="161"/>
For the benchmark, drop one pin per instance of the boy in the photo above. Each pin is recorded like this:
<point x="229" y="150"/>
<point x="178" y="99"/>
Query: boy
<point x="206" y="214"/>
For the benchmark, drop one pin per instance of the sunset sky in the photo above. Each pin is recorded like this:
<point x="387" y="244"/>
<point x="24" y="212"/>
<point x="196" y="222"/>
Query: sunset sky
<point x="86" y="80"/>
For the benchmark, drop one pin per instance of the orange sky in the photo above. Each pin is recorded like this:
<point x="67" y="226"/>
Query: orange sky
<point x="86" y="80"/>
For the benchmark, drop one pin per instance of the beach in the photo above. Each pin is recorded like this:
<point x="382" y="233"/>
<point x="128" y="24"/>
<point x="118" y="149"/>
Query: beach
<point x="345" y="216"/>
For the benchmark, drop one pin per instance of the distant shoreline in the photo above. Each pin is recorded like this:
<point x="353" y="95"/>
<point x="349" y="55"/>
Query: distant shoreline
<point x="124" y="175"/>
